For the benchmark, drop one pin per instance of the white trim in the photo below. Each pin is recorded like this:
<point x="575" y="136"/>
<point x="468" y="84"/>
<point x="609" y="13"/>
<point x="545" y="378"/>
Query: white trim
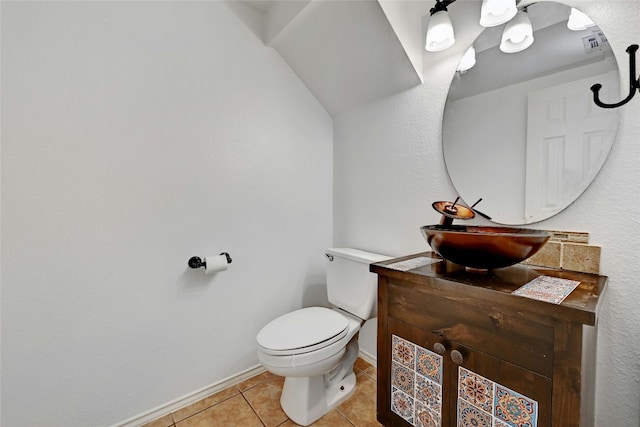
<point x="181" y="402"/>
<point x="368" y="357"/>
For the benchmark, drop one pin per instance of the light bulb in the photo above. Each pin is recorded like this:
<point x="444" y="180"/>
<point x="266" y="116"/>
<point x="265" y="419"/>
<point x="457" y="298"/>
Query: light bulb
<point x="518" y="37"/>
<point x="518" y="34"/>
<point x="439" y="32"/>
<point x="468" y="60"/>
<point x="579" y="21"/>
<point x="496" y="12"/>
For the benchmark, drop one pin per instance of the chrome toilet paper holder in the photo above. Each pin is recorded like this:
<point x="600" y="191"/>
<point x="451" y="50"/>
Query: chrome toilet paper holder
<point x="197" y="262"/>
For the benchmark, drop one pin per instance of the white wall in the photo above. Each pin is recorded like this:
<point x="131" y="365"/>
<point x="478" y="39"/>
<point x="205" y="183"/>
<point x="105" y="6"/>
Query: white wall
<point x="135" y="135"/>
<point x="388" y="169"/>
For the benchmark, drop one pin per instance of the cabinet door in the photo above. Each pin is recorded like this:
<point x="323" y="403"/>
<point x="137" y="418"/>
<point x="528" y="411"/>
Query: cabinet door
<point x="419" y="381"/>
<point x="490" y="392"/>
<point x="434" y="382"/>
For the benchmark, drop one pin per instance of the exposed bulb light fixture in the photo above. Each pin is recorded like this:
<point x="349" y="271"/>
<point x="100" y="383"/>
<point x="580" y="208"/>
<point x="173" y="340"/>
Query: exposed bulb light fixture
<point x="518" y="34"/>
<point x="468" y="60"/>
<point x="579" y="21"/>
<point x="440" y="30"/>
<point x="496" y="12"/>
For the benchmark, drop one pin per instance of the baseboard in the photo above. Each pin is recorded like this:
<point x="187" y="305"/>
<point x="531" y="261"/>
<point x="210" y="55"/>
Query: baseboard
<point x="368" y="357"/>
<point x="190" y="398"/>
<point x="209" y="390"/>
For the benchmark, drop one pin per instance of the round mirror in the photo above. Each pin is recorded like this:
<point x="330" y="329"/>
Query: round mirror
<point x="520" y="130"/>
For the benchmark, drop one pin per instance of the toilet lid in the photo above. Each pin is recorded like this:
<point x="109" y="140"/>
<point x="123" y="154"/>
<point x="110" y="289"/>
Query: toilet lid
<point x="302" y="330"/>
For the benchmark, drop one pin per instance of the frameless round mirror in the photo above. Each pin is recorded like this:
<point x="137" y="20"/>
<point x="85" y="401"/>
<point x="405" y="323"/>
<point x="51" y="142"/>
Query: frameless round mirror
<point x="520" y="130"/>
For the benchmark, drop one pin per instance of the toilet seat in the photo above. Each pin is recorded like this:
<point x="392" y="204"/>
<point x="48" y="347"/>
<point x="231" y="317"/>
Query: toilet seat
<point x="302" y="331"/>
<point x="303" y="362"/>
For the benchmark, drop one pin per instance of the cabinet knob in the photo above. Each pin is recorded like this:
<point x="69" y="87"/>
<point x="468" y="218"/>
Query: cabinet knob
<point x="439" y="348"/>
<point x="457" y="357"/>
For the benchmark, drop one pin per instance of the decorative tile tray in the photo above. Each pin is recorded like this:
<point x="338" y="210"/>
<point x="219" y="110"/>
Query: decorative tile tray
<point x="410" y="264"/>
<point x="547" y="288"/>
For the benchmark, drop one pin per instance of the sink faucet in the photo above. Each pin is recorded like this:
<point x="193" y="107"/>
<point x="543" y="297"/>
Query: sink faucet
<point x="451" y="211"/>
<point x="455" y="210"/>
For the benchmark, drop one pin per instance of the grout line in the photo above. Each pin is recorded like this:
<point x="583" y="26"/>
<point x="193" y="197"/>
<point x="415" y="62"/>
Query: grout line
<point x="343" y="415"/>
<point x="208" y="407"/>
<point x="253" y="409"/>
<point x="286" y="421"/>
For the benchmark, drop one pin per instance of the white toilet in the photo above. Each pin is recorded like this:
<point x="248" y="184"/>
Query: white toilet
<point x="315" y="347"/>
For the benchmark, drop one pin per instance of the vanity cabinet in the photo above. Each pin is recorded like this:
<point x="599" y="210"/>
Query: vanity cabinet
<point x="457" y="348"/>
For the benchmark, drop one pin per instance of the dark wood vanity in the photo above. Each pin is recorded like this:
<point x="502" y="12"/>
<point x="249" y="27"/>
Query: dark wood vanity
<point x="458" y="345"/>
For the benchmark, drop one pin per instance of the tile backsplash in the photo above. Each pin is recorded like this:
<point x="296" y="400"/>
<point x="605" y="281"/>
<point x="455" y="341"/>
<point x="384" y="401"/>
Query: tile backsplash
<point x="568" y="250"/>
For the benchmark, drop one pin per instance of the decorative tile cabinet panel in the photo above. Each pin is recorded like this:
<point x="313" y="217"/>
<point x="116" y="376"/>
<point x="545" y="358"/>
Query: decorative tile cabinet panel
<point x="457" y="348"/>
<point x="416" y="383"/>
<point x="482" y="402"/>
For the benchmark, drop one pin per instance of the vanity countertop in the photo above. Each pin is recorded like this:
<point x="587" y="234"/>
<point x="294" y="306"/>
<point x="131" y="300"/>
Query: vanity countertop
<point x="453" y="281"/>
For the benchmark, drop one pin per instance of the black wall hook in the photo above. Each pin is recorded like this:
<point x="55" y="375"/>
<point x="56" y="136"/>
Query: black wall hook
<point x="634" y="82"/>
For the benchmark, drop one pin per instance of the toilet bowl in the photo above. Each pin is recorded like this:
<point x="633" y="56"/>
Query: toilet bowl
<point x="317" y="366"/>
<point x="315" y="348"/>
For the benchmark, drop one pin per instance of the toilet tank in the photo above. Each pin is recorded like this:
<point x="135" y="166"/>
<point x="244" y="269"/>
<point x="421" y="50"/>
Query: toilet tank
<point x="350" y="285"/>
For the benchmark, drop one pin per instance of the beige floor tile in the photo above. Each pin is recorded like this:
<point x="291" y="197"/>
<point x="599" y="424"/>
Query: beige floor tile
<point x="360" y="408"/>
<point x="254" y="381"/>
<point x="232" y="412"/>
<point x="361" y="365"/>
<point x="165" y="421"/>
<point x="372" y="373"/>
<point x="205" y="403"/>
<point x="332" y="419"/>
<point x="265" y="400"/>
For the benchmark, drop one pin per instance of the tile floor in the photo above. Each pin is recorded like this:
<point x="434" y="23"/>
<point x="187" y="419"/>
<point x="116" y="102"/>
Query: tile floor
<point x="256" y="403"/>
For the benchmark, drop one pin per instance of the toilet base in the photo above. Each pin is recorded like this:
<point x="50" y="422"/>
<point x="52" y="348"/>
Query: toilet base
<point x="306" y="399"/>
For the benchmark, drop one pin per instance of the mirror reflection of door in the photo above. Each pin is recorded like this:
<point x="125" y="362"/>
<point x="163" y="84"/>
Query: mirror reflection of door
<point x="568" y="138"/>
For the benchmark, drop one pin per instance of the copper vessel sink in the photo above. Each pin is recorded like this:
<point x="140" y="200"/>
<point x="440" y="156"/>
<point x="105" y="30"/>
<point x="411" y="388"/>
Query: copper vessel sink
<point x="484" y="247"/>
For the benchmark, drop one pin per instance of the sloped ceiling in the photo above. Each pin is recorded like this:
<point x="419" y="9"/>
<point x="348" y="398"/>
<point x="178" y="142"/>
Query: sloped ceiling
<point x="346" y="52"/>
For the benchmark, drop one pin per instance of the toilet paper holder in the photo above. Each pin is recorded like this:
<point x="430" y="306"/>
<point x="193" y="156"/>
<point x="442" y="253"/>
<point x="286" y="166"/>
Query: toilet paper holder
<point x="197" y="262"/>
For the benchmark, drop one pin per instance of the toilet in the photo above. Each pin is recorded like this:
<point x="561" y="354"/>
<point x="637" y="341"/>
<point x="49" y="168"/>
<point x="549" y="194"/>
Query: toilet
<point x="315" y="348"/>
